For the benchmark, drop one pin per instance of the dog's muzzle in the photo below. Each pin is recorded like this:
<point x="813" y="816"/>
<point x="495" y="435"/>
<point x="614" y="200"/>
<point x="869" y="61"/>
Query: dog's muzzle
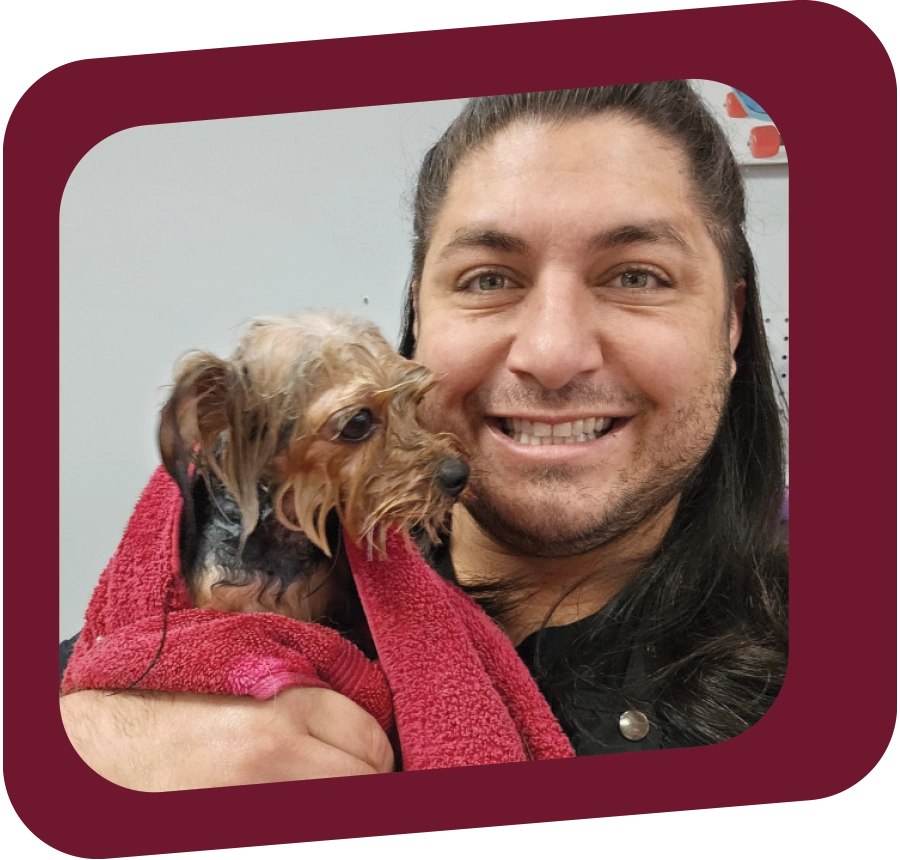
<point x="452" y="476"/>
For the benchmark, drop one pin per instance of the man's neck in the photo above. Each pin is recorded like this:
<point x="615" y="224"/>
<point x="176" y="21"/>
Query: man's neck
<point x="551" y="591"/>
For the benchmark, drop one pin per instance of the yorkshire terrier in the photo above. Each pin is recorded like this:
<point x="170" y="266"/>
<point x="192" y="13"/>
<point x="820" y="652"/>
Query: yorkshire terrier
<point x="310" y="426"/>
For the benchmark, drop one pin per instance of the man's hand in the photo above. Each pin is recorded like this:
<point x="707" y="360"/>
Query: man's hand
<point x="168" y="741"/>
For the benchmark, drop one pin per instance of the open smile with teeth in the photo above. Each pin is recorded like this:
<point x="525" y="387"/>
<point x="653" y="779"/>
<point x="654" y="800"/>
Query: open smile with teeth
<point x="527" y="432"/>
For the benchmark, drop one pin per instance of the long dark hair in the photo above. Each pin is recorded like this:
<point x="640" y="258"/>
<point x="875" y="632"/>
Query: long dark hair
<point x="710" y="607"/>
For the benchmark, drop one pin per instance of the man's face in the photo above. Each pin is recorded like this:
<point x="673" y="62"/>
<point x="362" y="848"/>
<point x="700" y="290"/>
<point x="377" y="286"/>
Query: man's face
<point x="574" y="308"/>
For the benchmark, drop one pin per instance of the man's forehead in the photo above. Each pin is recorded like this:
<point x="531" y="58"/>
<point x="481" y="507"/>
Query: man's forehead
<point x="610" y="145"/>
<point x="610" y="182"/>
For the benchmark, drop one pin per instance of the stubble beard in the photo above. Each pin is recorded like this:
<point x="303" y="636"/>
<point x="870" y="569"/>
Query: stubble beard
<point x="551" y="514"/>
<point x="551" y="527"/>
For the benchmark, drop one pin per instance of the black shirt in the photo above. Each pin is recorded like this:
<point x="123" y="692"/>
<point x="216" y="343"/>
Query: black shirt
<point x="584" y="697"/>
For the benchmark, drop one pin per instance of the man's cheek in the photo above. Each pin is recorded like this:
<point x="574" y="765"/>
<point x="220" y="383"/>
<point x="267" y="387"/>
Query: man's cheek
<point x="434" y="352"/>
<point x="678" y="365"/>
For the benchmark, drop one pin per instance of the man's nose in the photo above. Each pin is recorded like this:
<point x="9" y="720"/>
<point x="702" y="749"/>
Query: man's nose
<point x="556" y="337"/>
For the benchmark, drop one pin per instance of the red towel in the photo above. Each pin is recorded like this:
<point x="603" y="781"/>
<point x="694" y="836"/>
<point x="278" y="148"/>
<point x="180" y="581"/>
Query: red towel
<point x="446" y="675"/>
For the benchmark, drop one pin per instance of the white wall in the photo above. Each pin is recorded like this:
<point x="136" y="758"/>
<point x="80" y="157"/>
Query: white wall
<point x="767" y="228"/>
<point x="172" y="235"/>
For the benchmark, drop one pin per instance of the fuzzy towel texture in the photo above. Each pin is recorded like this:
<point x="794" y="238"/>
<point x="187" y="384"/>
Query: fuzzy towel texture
<point x="447" y="677"/>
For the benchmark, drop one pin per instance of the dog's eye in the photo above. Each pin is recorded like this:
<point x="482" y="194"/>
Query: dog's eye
<point x="358" y="427"/>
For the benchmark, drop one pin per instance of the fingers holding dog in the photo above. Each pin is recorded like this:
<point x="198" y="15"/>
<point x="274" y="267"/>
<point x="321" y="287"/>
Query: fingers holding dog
<point x="341" y="724"/>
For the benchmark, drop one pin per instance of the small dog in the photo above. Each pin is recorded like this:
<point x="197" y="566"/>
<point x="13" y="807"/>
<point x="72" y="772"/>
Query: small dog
<point x="309" y="426"/>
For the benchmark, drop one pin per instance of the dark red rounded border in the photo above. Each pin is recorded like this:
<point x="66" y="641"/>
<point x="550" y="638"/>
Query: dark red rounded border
<point x="836" y="86"/>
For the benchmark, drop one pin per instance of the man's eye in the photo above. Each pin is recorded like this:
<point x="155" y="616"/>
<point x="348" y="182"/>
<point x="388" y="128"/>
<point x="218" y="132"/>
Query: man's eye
<point x="634" y="279"/>
<point x="489" y="281"/>
<point x="640" y="279"/>
<point x="358" y="427"/>
<point x="486" y="282"/>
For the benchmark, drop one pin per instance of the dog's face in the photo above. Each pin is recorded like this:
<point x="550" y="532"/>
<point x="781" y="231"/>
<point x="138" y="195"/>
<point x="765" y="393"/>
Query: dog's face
<point x="320" y="411"/>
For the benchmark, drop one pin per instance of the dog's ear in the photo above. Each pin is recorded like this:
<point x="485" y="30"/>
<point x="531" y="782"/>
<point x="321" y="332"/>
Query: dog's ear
<point x="194" y="416"/>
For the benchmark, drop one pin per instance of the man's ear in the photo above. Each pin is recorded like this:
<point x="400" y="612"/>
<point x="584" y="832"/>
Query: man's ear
<point x="736" y="321"/>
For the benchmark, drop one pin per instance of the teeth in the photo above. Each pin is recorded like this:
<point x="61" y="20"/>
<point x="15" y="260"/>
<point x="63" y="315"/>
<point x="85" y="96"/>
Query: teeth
<point x="527" y="432"/>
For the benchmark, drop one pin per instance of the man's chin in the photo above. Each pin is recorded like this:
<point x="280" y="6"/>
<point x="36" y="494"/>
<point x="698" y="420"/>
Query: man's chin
<point x="568" y="524"/>
<point x="539" y="533"/>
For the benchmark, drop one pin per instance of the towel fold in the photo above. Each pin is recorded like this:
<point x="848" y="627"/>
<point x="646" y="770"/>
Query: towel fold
<point x="446" y="676"/>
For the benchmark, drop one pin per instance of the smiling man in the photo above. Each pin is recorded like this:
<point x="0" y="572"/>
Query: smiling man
<point x="583" y="288"/>
<point x="583" y="292"/>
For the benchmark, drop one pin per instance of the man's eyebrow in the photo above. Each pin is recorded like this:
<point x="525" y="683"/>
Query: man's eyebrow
<point x="494" y="240"/>
<point x="652" y="232"/>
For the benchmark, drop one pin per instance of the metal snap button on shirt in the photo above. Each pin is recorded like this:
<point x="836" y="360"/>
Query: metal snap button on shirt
<point x="634" y="725"/>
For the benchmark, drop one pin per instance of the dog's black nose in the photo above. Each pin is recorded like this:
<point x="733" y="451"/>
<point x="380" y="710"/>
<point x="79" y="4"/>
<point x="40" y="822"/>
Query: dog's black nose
<point x="452" y="476"/>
